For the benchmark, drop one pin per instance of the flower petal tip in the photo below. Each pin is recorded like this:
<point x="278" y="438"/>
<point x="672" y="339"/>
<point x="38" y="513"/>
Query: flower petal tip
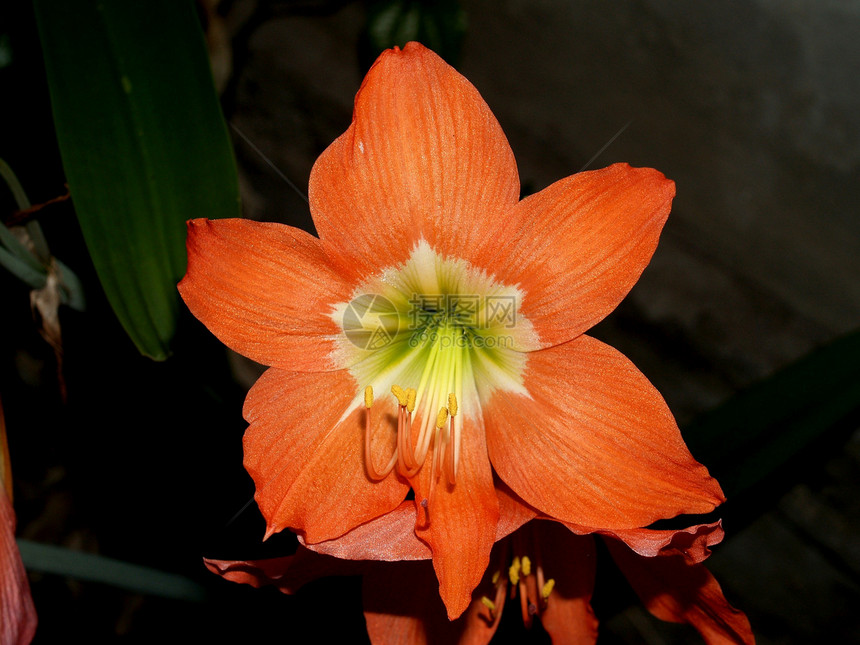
<point x="717" y="496"/>
<point x="651" y="181"/>
<point x="270" y="531"/>
<point x="456" y="606"/>
<point x="197" y="224"/>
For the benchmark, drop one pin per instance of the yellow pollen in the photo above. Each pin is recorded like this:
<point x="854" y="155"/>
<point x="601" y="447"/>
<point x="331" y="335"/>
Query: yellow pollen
<point x="496" y="577"/>
<point x="489" y="604"/>
<point x="411" y="394"/>
<point x="514" y="571"/>
<point x="547" y="589"/>
<point x="368" y="396"/>
<point x="526" y="565"/>
<point x="441" y="418"/>
<point x="452" y="405"/>
<point x="398" y="391"/>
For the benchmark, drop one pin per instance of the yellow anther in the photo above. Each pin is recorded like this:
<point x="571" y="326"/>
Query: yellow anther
<point x="489" y="604"/>
<point x="526" y="564"/>
<point x="368" y="396"/>
<point x="514" y="571"/>
<point x="547" y="588"/>
<point x="411" y="394"/>
<point x="496" y="577"/>
<point x="399" y="392"/>
<point x="441" y="418"/>
<point x="452" y="405"/>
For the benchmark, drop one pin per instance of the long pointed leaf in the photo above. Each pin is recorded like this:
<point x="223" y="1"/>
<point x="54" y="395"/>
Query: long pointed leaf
<point x="144" y="146"/>
<point x="22" y="270"/>
<point x="48" y="558"/>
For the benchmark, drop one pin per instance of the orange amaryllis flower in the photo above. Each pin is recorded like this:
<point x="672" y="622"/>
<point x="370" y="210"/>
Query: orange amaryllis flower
<point x="431" y="279"/>
<point x="17" y="613"/>
<point x="546" y="569"/>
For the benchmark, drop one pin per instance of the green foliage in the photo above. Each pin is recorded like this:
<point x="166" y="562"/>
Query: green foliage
<point x="32" y="265"/>
<point x="144" y="146"/>
<point x="96" y="568"/>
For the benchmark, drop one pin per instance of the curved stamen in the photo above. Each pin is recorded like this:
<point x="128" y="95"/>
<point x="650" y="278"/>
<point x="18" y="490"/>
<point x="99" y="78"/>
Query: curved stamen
<point x="530" y="590"/>
<point x="441" y="420"/>
<point x="541" y="584"/>
<point x="520" y="572"/>
<point x="526" y="577"/>
<point x="368" y="454"/>
<point x="451" y="444"/>
<point x="458" y="388"/>
<point x="400" y="395"/>
<point x="438" y="448"/>
<point x="524" y="603"/>
<point x="405" y="444"/>
<point x="402" y="468"/>
<point x="546" y="590"/>
<point x="423" y="441"/>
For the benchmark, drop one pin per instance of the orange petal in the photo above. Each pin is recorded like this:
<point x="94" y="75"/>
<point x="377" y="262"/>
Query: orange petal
<point x="679" y="591"/>
<point x="462" y="519"/>
<point x="265" y="290"/>
<point x="578" y="246"/>
<point x="570" y="560"/>
<point x="306" y="457"/>
<point x="401" y="606"/>
<point x="594" y="444"/>
<point x="513" y="512"/>
<point x="694" y="543"/>
<point x="424" y="157"/>
<point x="17" y="613"/>
<point x="288" y="573"/>
<point x="390" y="537"/>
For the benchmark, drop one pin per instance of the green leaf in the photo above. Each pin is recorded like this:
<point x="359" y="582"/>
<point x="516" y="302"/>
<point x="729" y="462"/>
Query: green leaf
<point x="144" y="146"/>
<point x="17" y="249"/>
<point x="71" y="289"/>
<point x="48" y="558"/>
<point x="33" y="268"/>
<point x="33" y="278"/>
<point x="14" y="185"/>
<point x="753" y="434"/>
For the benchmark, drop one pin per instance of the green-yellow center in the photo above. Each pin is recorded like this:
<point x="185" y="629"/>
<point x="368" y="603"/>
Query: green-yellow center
<point x="446" y="330"/>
